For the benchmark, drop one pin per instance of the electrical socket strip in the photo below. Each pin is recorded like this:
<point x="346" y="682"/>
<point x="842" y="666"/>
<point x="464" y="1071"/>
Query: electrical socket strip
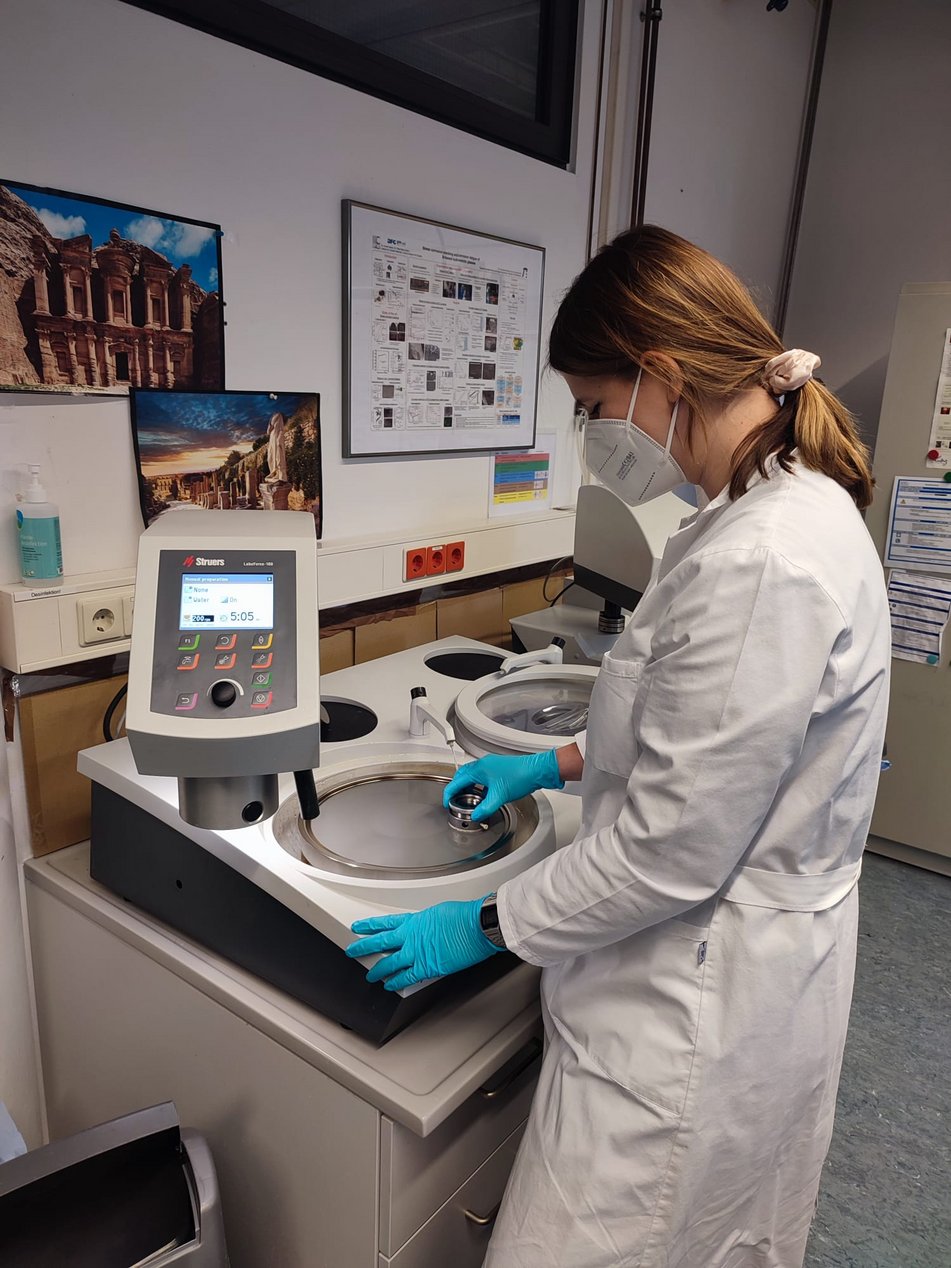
<point x="433" y="561"/>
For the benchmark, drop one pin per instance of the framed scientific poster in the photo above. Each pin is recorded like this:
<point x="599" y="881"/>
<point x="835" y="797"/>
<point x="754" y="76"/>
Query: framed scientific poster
<point x="442" y="333"/>
<point x="227" y="451"/>
<point x="95" y="293"/>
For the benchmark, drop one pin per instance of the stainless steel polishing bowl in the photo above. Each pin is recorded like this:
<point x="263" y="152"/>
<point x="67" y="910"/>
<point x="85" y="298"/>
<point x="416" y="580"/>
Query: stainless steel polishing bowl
<point x="386" y="821"/>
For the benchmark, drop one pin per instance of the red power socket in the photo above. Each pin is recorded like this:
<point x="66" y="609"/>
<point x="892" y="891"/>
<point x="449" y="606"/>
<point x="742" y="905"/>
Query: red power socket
<point x="435" y="560"/>
<point x="415" y="563"/>
<point x="455" y="556"/>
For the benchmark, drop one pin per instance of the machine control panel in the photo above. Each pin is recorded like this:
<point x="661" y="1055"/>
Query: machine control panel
<point x="225" y="634"/>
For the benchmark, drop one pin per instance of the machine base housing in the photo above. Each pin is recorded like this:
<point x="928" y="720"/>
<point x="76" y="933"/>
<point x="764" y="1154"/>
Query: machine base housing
<point x="164" y="872"/>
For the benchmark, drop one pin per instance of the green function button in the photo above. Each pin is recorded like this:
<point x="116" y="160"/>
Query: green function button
<point x="188" y="642"/>
<point x="261" y="679"/>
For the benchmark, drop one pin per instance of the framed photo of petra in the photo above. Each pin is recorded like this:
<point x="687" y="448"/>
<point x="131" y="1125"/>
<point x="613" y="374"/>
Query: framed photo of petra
<point x="104" y="295"/>
<point x="227" y="451"/>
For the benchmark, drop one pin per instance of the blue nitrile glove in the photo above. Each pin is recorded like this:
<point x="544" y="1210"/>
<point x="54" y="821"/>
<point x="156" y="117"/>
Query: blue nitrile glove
<point x="423" y="944"/>
<point x="505" y="779"/>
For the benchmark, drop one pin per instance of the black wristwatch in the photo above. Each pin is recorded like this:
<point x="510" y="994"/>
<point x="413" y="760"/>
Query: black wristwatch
<point x="489" y="921"/>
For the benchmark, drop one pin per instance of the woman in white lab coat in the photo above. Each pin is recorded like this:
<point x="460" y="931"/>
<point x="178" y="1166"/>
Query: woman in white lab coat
<point x="698" y="936"/>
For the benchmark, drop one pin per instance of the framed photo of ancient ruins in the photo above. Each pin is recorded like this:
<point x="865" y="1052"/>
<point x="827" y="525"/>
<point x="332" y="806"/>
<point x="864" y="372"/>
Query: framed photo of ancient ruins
<point x="442" y="337"/>
<point x="227" y="451"/>
<point x="104" y="295"/>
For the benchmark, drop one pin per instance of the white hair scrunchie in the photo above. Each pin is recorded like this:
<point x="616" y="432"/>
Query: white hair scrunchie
<point x="789" y="371"/>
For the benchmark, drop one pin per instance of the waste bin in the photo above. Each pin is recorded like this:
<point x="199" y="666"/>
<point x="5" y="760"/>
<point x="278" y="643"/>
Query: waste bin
<point x="138" y="1192"/>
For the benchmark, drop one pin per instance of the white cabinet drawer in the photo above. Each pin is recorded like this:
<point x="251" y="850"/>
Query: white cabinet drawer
<point x="458" y="1234"/>
<point x="418" y="1173"/>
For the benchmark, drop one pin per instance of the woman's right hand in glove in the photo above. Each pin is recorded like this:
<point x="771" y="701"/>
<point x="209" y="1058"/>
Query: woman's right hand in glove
<point x="505" y="779"/>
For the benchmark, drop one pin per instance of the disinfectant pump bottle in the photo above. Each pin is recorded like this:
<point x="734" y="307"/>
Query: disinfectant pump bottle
<point x="41" y="549"/>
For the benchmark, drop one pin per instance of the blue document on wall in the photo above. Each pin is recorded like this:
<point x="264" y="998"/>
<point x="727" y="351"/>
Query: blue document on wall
<point x="920" y="606"/>
<point x="919" y="525"/>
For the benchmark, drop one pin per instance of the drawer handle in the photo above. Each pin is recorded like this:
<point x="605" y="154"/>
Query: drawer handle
<point x="483" y="1221"/>
<point x="494" y="1091"/>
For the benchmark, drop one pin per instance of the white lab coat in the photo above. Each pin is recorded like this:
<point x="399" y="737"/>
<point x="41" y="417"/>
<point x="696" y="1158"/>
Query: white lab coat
<point x="698" y="936"/>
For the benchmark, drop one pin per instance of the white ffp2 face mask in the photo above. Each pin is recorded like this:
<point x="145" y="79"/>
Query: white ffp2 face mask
<point x="628" y="461"/>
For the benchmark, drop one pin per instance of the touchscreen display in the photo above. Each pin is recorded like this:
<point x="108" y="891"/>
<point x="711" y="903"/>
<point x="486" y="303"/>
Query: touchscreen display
<point x="227" y="601"/>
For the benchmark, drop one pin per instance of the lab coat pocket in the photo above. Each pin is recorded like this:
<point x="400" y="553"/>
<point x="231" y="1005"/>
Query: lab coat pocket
<point x="611" y="744"/>
<point x="639" y="1023"/>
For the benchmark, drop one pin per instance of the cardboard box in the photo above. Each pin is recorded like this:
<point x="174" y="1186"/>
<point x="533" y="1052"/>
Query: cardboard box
<point x="476" y="616"/>
<point x="336" y="651"/>
<point x="527" y="596"/>
<point x="381" y="638"/>
<point x="54" y="727"/>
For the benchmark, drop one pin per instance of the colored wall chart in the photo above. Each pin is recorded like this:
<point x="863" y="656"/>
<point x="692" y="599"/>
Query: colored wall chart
<point x="521" y="481"/>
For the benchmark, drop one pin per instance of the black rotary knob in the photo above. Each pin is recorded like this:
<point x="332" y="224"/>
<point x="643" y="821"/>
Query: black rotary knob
<point x="224" y="694"/>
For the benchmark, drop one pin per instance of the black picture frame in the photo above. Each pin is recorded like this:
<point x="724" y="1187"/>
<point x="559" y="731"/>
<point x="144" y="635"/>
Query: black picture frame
<point x="138" y="395"/>
<point x="113" y="205"/>
<point x="259" y="26"/>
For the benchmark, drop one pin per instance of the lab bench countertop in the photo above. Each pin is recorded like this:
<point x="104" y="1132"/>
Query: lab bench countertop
<point x="419" y="1078"/>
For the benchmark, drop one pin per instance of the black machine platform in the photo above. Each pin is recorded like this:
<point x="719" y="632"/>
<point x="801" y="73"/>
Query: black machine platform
<point x="166" y="874"/>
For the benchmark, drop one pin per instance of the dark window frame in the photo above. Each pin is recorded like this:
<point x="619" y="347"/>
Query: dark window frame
<point x="257" y="25"/>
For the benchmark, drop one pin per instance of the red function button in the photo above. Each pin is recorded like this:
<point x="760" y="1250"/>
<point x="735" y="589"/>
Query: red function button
<point x="225" y="660"/>
<point x="262" y="660"/>
<point x="933" y="455"/>
<point x="186" y="701"/>
<point x="261" y="699"/>
<point x="189" y="661"/>
<point x="225" y="642"/>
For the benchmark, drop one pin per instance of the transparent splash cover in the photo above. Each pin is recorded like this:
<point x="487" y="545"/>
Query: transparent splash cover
<point x="539" y="706"/>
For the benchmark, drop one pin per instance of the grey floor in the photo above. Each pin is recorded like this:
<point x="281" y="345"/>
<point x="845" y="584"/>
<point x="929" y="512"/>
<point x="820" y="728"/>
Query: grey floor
<point x="886" y="1192"/>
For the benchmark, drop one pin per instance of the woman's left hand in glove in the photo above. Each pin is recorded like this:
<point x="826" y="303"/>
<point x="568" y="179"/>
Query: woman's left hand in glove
<point x="424" y="944"/>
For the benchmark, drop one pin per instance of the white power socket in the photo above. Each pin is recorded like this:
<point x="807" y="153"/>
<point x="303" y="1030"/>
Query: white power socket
<point x="100" y="618"/>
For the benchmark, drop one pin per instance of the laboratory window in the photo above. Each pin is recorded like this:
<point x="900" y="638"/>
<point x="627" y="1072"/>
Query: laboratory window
<point x="504" y="71"/>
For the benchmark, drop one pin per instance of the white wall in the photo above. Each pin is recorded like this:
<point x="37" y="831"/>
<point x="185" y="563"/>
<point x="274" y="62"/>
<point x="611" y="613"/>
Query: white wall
<point x="729" y="98"/>
<point x="879" y="189"/>
<point x="104" y="99"/>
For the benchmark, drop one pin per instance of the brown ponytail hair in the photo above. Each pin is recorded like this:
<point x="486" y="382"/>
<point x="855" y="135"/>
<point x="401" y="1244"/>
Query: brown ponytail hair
<point x="651" y="292"/>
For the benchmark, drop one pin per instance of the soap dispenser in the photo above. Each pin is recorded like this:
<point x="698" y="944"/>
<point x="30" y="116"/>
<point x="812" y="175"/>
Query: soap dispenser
<point x="41" y="549"/>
